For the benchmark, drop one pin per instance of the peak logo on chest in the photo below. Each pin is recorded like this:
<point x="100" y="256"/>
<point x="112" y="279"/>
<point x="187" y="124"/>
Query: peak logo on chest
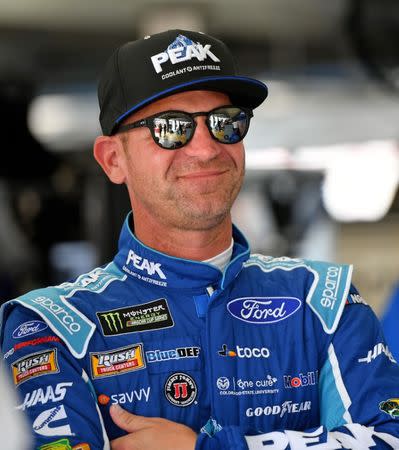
<point x="143" y="264"/>
<point x="263" y="310"/>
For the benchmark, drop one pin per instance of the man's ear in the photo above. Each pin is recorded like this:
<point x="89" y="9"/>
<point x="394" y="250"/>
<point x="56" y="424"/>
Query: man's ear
<point x="108" y="152"/>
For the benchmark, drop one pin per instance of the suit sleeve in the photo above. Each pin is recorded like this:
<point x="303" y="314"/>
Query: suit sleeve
<point x="390" y="322"/>
<point x="53" y="389"/>
<point x="359" y="396"/>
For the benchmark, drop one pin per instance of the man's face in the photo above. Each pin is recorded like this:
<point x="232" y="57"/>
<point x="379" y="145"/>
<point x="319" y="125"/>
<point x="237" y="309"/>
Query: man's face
<point x="191" y="188"/>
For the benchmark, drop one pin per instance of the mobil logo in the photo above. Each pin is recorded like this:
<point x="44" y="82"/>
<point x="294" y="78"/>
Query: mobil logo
<point x="301" y="380"/>
<point x="263" y="310"/>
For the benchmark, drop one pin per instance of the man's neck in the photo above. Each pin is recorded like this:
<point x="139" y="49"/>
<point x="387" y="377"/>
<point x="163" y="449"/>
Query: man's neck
<point x="197" y="245"/>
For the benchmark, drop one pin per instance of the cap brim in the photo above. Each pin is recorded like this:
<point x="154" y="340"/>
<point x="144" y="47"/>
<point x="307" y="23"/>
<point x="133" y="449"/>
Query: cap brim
<point x="243" y="91"/>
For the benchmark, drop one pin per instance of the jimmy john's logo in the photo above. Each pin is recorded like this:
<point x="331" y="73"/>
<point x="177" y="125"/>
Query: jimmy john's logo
<point x="144" y="317"/>
<point x="181" y="389"/>
<point x="35" y="365"/>
<point x="183" y="49"/>
<point x="117" y="362"/>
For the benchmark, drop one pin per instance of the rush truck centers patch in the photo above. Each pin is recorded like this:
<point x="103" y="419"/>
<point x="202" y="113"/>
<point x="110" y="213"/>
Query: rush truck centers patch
<point x="35" y="365"/>
<point x="117" y="362"/>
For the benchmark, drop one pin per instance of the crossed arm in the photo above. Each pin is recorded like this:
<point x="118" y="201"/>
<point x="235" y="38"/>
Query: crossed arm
<point x="150" y="433"/>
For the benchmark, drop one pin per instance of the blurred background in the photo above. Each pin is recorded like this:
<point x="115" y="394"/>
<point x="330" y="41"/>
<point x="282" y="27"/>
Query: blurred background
<point x="322" y="152"/>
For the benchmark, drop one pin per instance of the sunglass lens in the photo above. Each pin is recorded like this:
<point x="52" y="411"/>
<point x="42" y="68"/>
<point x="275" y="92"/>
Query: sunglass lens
<point x="228" y="125"/>
<point x="173" y="130"/>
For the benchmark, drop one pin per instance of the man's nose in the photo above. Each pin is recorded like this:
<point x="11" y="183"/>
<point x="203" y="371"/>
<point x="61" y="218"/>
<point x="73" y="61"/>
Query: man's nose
<point x="202" y="145"/>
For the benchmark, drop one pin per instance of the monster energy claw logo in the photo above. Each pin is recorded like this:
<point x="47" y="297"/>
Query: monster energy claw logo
<point x="142" y="317"/>
<point x="113" y="321"/>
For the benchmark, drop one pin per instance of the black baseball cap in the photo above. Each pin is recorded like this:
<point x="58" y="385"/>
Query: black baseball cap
<point x="143" y="71"/>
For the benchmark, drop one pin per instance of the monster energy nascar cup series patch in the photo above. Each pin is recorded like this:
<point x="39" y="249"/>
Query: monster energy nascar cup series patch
<point x="144" y="317"/>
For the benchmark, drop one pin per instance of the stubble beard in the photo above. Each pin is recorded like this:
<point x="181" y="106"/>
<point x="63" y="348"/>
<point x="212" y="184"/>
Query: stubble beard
<point x="202" y="211"/>
<point x="181" y="209"/>
<point x="177" y="208"/>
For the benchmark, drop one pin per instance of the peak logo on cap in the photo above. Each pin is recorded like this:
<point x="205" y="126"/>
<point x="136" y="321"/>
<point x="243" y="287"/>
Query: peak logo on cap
<point x="182" y="49"/>
<point x="144" y="71"/>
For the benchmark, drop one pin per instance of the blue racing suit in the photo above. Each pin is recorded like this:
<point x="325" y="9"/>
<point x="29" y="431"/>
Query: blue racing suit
<point x="272" y="353"/>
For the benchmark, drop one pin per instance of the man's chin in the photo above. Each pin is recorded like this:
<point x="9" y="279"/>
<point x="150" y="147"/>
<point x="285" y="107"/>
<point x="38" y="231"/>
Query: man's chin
<point x="203" y="219"/>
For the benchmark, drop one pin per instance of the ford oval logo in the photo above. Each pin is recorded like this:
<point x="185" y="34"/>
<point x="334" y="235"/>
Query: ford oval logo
<point x="28" y="328"/>
<point x="263" y="310"/>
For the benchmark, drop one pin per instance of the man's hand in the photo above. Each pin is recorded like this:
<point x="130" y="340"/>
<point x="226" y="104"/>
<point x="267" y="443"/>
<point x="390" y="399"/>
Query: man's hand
<point x="150" y="433"/>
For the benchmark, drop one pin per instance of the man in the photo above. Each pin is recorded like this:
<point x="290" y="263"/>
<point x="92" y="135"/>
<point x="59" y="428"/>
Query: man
<point x="185" y="340"/>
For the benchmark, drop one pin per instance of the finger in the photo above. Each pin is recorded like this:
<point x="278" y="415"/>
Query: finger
<point x="127" y="421"/>
<point x="123" y="444"/>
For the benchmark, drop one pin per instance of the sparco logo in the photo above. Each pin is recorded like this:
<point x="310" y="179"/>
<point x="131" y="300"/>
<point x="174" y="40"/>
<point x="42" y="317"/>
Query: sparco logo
<point x="263" y="310"/>
<point x="66" y="320"/>
<point x="287" y="407"/>
<point x="310" y="379"/>
<point x="143" y="264"/>
<point x="183" y="49"/>
<point x="329" y="295"/>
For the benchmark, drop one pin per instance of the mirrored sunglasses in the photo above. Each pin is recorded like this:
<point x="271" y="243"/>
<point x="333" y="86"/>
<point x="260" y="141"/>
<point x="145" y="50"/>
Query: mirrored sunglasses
<point x="174" y="129"/>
